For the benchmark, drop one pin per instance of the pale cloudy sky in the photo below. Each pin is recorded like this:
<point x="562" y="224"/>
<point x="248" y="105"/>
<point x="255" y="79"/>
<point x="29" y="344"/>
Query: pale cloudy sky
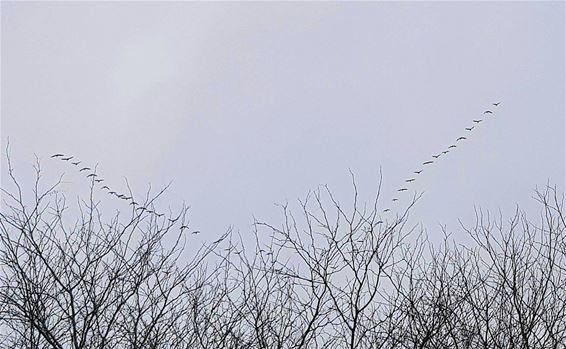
<point x="243" y="105"/>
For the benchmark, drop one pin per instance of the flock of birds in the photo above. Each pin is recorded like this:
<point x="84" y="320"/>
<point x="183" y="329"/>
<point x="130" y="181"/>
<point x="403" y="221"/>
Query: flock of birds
<point x="92" y="175"/>
<point x="435" y="157"/>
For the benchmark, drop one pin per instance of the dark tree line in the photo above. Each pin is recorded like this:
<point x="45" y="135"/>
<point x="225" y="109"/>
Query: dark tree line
<point x="331" y="275"/>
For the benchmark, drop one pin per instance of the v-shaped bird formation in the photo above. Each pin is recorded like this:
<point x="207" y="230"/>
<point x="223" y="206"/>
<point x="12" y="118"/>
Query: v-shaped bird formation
<point x="490" y="113"/>
<point x="91" y="174"/>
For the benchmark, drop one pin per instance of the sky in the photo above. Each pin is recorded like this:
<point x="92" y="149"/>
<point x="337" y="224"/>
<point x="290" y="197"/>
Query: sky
<point x="244" y="105"/>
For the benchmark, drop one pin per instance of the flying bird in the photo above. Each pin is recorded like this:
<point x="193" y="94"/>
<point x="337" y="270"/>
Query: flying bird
<point x="387" y="210"/>
<point x="184" y="227"/>
<point x="460" y="139"/>
<point x="91" y="175"/>
<point x="394" y="199"/>
<point x="436" y="156"/>
<point x="76" y="163"/>
<point x="99" y="180"/>
<point x="402" y="189"/>
<point x="488" y="112"/>
<point x="469" y="128"/>
<point x="105" y="187"/>
<point x="112" y="192"/>
<point x="84" y="169"/>
<point x="67" y="159"/>
<point x="57" y="155"/>
<point x="428" y="162"/>
<point x="446" y="152"/>
<point x="477" y="121"/>
<point x="418" y="172"/>
<point x="409" y="180"/>
<point x="496" y="104"/>
<point x="452" y="146"/>
<point x="196" y="232"/>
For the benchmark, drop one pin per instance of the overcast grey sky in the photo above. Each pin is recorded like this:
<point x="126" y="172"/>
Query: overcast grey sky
<point x="243" y="105"/>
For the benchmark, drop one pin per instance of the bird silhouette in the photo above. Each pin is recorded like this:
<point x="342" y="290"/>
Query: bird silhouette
<point x="452" y="146"/>
<point x="91" y="175"/>
<point x="76" y="163"/>
<point x="387" y="210"/>
<point x="394" y="199"/>
<point x="409" y="180"/>
<point x="469" y="128"/>
<point x="428" y="162"/>
<point x="67" y="159"/>
<point x="184" y="227"/>
<point x="436" y="156"/>
<point x="477" y="121"/>
<point x="418" y="172"/>
<point x="488" y="112"/>
<point x="99" y="180"/>
<point x="196" y="232"/>
<point x="461" y="139"/>
<point x="105" y="187"/>
<point x="496" y="104"/>
<point x="446" y="152"/>
<point x="402" y="189"/>
<point x="84" y="169"/>
<point x="57" y="155"/>
<point x="112" y="192"/>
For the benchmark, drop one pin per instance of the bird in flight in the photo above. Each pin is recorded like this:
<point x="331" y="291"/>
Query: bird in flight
<point x="496" y="104"/>
<point x="409" y="180"/>
<point x="184" y="227"/>
<point x="394" y="199"/>
<point x="196" y="232"/>
<point x="452" y="146"/>
<point x="84" y="169"/>
<point x="57" y="155"/>
<point x="91" y="175"/>
<point x="418" y="172"/>
<point x="436" y="156"/>
<point x="461" y="139"/>
<point x="477" y="121"/>
<point x="112" y="192"/>
<point x="76" y="163"/>
<point x="402" y="189"/>
<point x="387" y="210"/>
<point x="488" y="112"/>
<point x="67" y="159"/>
<point x="428" y="162"/>
<point x="469" y="128"/>
<point x="446" y="152"/>
<point x="99" y="180"/>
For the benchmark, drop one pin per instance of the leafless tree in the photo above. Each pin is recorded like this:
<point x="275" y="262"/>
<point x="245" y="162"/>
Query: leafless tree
<point x="90" y="282"/>
<point x="329" y="275"/>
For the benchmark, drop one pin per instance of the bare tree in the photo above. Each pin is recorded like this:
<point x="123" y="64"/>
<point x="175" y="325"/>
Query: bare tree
<point x="329" y="275"/>
<point x="91" y="282"/>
